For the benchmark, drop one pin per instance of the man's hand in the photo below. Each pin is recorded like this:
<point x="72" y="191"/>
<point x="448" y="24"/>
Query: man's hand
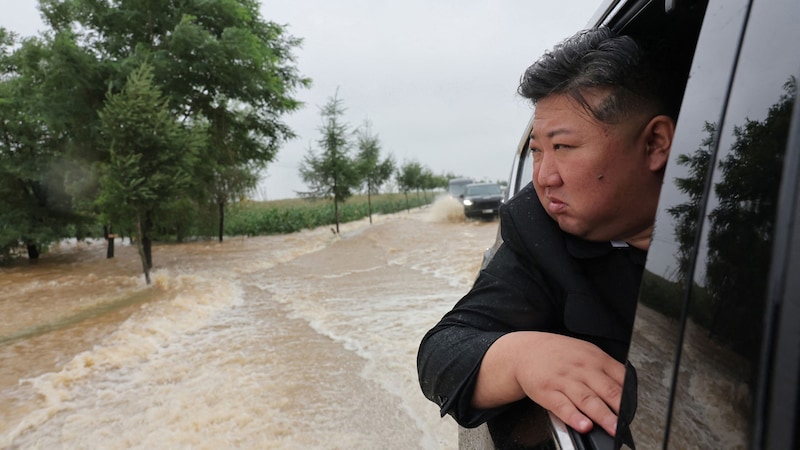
<point x="572" y="378"/>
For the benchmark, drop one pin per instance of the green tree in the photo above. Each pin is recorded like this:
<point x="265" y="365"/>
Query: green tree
<point x="332" y="173"/>
<point x="409" y="177"/>
<point x="427" y="182"/>
<point x="230" y="183"/>
<point x="373" y="172"/>
<point x="215" y="61"/>
<point x="35" y="210"/>
<point x="151" y="158"/>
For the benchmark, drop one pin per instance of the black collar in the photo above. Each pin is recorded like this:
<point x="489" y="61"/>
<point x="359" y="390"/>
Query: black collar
<point x="583" y="249"/>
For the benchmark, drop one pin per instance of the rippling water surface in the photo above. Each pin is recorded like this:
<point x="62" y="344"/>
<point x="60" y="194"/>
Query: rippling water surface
<point x="306" y="340"/>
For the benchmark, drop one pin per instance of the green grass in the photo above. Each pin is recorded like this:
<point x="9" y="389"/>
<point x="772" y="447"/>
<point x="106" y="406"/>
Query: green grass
<point x="254" y="218"/>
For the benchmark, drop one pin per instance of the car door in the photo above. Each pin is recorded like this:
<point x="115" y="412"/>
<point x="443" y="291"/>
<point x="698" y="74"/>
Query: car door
<point x="715" y="344"/>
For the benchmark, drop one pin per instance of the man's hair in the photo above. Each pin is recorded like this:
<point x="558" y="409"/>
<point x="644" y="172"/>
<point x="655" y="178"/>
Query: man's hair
<point x="599" y="59"/>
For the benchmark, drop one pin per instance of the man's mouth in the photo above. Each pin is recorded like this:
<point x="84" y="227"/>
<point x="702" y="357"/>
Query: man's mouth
<point x="555" y="205"/>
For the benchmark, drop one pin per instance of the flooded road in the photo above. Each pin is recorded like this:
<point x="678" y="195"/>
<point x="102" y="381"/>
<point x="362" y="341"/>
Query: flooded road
<point x="306" y="340"/>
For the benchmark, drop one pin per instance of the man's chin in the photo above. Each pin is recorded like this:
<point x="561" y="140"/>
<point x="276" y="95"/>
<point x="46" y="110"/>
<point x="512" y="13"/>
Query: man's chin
<point x="569" y="226"/>
<point x="578" y="230"/>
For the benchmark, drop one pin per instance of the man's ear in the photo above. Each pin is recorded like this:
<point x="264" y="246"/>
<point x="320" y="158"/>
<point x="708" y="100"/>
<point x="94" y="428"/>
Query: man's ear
<point x="658" y="137"/>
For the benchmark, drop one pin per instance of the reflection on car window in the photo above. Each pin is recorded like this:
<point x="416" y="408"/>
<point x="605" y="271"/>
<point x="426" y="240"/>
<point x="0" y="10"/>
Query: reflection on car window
<point x="657" y="325"/>
<point x="722" y="261"/>
<point x="729" y="280"/>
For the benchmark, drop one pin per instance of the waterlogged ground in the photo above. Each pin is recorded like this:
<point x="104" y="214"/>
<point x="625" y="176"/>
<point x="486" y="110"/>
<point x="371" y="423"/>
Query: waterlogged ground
<point x="305" y="340"/>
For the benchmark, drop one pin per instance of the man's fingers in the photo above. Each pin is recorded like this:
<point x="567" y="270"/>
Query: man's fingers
<point x="579" y="406"/>
<point x="590" y="404"/>
<point x="565" y="409"/>
<point x="615" y="370"/>
<point x="609" y="391"/>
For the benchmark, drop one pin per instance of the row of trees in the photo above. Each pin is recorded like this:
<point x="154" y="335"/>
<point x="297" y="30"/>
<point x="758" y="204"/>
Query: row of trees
<point x="137" y="115"/>
<point x="150" y="118"/>
<point x="334" y="171"/>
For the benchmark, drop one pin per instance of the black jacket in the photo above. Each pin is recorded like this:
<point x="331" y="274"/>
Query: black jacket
<point x="540" y="279"/>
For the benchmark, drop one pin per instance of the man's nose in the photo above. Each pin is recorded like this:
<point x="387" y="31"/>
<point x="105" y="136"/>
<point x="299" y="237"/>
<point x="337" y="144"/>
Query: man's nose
<point x="546" y="171"/>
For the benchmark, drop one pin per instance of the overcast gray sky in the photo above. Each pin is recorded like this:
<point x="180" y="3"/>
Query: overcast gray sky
<point x="436" y="79"/>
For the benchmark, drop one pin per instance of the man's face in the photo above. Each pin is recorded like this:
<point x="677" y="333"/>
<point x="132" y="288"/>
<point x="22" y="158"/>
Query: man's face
<point x="594" y="179"/>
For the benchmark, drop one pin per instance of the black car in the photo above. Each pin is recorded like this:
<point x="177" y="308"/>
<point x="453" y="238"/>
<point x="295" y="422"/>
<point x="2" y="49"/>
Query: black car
<point x="716" y="340"/>
<point x="482" y="200"/>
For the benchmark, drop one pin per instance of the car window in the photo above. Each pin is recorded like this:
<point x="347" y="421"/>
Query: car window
<point x="702" y="299"/>
<point x="657" y="327"/>
<point x="485" y="189"/>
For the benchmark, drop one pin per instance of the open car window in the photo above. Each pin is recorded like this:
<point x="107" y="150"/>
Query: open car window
<point x="672" y="35"/>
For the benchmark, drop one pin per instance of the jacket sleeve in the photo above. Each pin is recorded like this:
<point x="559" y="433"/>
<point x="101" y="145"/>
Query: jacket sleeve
<point x="507" y="296"/>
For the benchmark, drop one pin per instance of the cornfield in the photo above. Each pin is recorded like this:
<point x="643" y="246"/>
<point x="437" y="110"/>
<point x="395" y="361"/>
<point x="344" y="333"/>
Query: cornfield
<point x="254" y="218"/>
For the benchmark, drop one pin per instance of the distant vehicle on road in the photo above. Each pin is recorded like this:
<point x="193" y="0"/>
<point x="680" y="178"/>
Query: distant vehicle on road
<point x="482" y="200"/>
<point x="457" y="185"/>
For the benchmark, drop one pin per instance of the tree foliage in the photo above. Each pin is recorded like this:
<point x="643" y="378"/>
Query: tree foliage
<point x="151" y="158"/>
<point x="222" y="71"/>
<point x="215" y="60"/>
<point x="34" y="208"/>
<point x="410" y="176"/>
<point x="373" y="171"/>
<point x="331" y="172"/>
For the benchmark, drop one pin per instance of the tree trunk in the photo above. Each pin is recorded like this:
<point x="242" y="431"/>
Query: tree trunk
<point x="147" y="243"/>
<point x="336" y="213"/>
<point x="221" y="219"/>
<point x="109" y="241"/>
<point x="369" y="202"/>
<point x="147" y="246"/>
<point x="408" y="207"/>
<point x="140" y="247"/>
<point x="33" y="252"/>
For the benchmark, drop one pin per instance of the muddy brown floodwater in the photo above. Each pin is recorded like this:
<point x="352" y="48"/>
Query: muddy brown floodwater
<point x="306" y="340"/>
